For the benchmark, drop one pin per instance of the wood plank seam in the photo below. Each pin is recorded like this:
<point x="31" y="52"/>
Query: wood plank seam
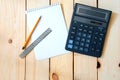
<point x="25" y="35"/>
<point x="85" y="66"/>
<point x="97" y="58"/>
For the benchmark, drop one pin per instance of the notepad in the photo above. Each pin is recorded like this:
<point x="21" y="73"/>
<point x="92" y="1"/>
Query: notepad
<point x="54" y="43"/>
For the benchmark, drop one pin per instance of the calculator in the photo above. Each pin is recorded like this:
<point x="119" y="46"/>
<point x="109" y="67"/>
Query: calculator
<point x="88" y="30"/>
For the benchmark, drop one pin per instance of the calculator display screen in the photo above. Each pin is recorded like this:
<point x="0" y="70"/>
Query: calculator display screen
<point x="81" y="11"/>
<point x="91" y="12"/>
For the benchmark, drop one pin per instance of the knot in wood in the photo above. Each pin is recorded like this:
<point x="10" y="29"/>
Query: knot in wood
<point x="10" y="41"/>
<point x="55" y="76"/>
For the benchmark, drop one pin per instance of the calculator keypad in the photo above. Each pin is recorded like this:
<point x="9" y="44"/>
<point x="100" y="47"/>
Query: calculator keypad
<point x="86" y="39"/>
<point x="88" y="30"/>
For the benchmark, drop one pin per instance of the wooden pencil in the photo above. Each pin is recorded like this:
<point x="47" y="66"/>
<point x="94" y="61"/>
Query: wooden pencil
<point x="29" y="37"/>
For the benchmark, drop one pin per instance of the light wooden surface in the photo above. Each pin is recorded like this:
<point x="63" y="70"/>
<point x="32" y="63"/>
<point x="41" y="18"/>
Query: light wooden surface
<point x="12" y="36"/>
<point x="110" y="61"/>
<point x="71" y="66"/>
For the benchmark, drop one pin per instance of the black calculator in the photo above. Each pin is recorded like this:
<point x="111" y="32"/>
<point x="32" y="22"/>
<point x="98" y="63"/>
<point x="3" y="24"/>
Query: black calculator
<point x="88" y="30"/>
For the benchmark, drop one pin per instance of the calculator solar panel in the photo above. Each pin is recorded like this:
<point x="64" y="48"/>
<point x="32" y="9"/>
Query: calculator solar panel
<point x="88" y="30"/>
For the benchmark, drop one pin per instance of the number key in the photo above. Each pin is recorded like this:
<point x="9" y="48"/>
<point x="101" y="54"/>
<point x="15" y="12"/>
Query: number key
<point x="81" y="48"/>
<point x="85" y="49"/>
<point x="75" y="47"/>
<point x="70" y="41"/>
<point x="86" y="45"/>
<point x="89" y="36"/>
<point x="81" y="44"/>
<point x="88" y="40"/>
<point x="70" y="46"/>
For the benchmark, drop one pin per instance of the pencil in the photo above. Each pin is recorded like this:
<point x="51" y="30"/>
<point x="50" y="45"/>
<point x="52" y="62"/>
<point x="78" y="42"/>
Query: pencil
<point x="28" y="39"/>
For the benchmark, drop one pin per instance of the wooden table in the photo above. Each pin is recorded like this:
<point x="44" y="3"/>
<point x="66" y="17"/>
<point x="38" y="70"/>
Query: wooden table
<point x="13" y="32"/>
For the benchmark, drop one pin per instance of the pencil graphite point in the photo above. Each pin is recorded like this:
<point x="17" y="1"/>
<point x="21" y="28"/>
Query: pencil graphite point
<point x="23" y="47"/>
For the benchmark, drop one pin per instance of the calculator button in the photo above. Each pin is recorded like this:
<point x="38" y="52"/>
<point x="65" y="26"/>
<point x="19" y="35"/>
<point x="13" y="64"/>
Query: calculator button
<point x="73" y="32"/>
<point x="81" y="25"/>
<point x="83" y="39"/>
<point x="70" y="46"/>
<point x="88" y="40"/>
<point x="70" y="41"/>
<point x="100" y="39"/>
<point x="84" y="35"/>
<point x="88" y="36"/>
<point x="81" y="48"/>
<point x="92" y="49"/>
<point x="72" y="37"/>
<point x="76" y="42"/>
<point x="101" y="34"/>
<point x="85" y="49"/>
<point x="74" y="23"/>
<point x="100" y="29"/>
<point x="84" y="30"/>
<point x="75" y="47"/>
<point x="95" y="38"/>
<point x="99" y="44"/>
<point x="90" y="32"/>
<point x="94" y="42"/>
<point x="78" y="38"/>
<point x="86" y="45"/>
<point x="86" y="26"/>
<point x="73" y="28"/>
<point x="81" y="44"/>
<point x="90" y="27"/>
<point x="80" y="29"/>
<point x="97" y="51"/>
<point x="79" y="34"/>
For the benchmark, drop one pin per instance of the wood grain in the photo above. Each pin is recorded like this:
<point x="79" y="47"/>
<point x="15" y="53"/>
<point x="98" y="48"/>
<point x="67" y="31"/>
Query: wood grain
<point x="110" y="69"/>
<point x="87" y="2"/>
<point x="36" y="70"/>
<point x="37" y="3"/>
<point x="85" y="66"/>
<point x="12" y="36"/>
<point x="62" y="65"/>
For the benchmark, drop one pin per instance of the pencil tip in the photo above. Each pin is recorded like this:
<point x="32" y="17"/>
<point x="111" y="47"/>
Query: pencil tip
<point x="23" y="47"/>
<point x="40" y="17"/>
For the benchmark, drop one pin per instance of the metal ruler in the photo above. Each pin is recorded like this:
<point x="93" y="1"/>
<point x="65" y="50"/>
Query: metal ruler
<point x="35" y="43"/>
